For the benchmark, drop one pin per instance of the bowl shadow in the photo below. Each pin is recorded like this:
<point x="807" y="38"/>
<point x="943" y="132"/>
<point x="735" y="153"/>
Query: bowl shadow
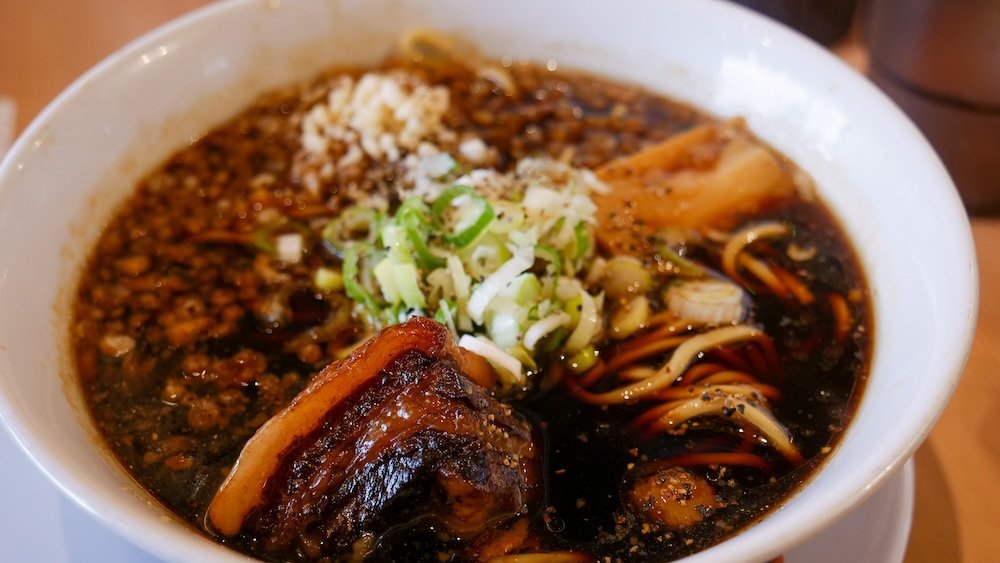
<point x="934" y="534"/>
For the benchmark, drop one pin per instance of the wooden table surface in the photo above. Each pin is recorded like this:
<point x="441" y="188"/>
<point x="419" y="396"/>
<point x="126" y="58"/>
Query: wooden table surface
<point x="45" y="44"/>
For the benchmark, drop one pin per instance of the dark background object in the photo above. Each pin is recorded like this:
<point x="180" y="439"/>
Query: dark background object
<point x="825" y="21"/>
<point x="940" y="61"/>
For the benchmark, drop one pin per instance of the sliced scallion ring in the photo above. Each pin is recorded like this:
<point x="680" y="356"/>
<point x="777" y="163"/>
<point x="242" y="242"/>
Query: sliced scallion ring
<point x="543" y="327"/>
<point x="586" y="325"/>
<point x="468" y="235"/>
<point x="352" y="286"/>
<point x="346" y="229"/>
<point x="508" y="367"/>
<point x="413" y="217"/>
<point x="425" y="257"/>
<point x="582" y="360"/>
<point x="550" y="255"/>
<point x="679" y="265"/>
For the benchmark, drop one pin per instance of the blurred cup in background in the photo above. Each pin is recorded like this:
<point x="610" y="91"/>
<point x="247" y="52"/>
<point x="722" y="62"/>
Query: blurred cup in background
<point x="940" y="61"/>
<point x="823" y="21"/>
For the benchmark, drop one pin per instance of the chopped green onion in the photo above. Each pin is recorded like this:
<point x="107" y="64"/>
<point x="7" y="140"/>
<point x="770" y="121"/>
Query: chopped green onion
<point x="523" y="356"/>
<point x="510" y="216"/>
<point x="386" y="278"/>
<point x="572" y="307"/>
<point x="706" y="301"/>
<point x="425" y="257"/>
<point x="351" y="285"/>
<point x="508" y="367"/>
<point x="393" y="238"/>
<point x="524" y="289"/>
<point x="413" y="217"/>
<point x="459" y="278"/>
<point x="328" y="279"/>
<point x="558" y="225"/>
<point x="264" y="242"/>
<point x="550" y="255"/>
<point x="543" y="328"/>
<point x="468" y="235"/>
<point x="366" y="273"/>
<point x="582" y="360"/>
<point x="553" y="341"/>
<point x="499" y="272"/>
<point x="443" y="201"/>
<point x="343" y="230"/>
<point x="446" y="315"/>
<point x="485" y="256"/>
<point x="629" y="317"/>
<point x="586" y="326"/>
<point x="502" y="324"/>
<point x="408" y="285"/>
<point x="678" y="264"/>
<point x="492" y="285"/>
<point x="582" y="239"/>
<point x="413" y="209"/>
<point x="625" y="276"/>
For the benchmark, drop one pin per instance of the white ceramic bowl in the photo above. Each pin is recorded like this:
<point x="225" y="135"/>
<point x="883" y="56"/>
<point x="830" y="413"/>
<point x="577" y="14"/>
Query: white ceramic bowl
<point x="83" y="154"/>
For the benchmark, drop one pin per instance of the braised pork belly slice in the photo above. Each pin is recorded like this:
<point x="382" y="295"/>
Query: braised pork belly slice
<point x="394" y="434"/>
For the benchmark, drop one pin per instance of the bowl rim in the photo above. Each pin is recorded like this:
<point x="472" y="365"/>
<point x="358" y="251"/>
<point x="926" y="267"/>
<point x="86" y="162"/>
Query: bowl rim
<point x="40" y="453"/>
<point x="104" y="511"/>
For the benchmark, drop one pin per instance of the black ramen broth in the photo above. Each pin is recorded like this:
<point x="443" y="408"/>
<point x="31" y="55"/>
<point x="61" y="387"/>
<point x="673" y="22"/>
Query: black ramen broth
<point x="192" y="328"/>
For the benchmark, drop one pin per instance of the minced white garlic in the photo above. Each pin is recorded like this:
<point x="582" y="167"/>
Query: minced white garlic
<point x="289" y="247"/>
<point x="116" y="345"/>
<point x="381" y="115"/>
<point x="473" y="150"/>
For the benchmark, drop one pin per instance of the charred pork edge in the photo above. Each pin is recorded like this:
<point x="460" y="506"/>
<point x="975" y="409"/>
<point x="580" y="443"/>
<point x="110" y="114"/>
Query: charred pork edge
<point x="261" y="456"/>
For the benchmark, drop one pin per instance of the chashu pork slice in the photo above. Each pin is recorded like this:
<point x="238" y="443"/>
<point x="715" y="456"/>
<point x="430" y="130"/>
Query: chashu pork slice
<point x="402" y="431"/>
<point x="705" y="178"/>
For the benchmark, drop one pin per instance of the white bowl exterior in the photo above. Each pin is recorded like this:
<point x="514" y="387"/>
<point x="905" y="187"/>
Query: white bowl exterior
<point x="81" y="157"/>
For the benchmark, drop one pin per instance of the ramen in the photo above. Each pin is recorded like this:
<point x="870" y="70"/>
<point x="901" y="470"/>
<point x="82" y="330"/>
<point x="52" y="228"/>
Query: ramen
<point x="451" y="308"/>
